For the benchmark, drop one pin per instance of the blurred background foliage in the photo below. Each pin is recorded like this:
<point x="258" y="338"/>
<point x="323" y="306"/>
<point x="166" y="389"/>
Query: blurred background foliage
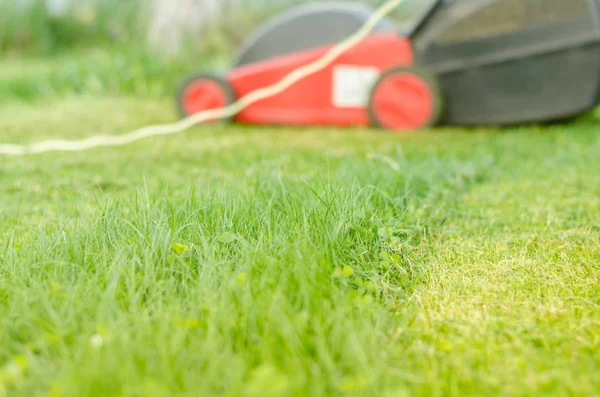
<point x="135" y="47"/>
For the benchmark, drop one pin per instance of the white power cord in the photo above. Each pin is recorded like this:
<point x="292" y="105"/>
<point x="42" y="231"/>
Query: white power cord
<point x="209" y="115"/>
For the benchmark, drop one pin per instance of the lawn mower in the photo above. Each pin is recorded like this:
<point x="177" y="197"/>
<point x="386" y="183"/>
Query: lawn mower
<point x="457" y="62"/>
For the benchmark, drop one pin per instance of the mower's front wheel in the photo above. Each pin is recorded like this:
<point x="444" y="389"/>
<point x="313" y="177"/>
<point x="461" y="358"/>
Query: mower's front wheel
<point x="202" y="92"/>
<point x="405" y="99"/>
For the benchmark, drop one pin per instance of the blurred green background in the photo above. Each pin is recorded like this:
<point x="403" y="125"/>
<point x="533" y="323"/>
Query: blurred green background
<point x="125" y="47"/>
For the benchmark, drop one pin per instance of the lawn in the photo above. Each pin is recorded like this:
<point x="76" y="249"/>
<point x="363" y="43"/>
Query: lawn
<point x="244" y="261"/>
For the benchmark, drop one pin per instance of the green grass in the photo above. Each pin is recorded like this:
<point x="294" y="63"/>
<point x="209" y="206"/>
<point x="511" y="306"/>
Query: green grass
<point x="243" y="261"/>
<point x="123" y="71"/>
<point x="28" y="27"/>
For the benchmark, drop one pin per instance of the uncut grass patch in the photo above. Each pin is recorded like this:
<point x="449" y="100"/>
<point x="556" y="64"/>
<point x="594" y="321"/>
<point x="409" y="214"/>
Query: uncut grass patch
<point x="293" y="285"/>
<point x="238" y="260"/>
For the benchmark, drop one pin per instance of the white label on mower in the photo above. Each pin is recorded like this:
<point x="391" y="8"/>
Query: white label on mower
<point x="352" y="85"/>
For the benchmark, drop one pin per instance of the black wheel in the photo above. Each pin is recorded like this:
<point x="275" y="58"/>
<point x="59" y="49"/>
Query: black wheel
<point x="204" y="91"/>
<point x="405" y="99"/>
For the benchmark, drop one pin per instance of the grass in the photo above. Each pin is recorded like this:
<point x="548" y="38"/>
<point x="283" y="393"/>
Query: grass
<point x="122" y="71"/>
<point x="243" y="261"/>
<point x="29" y="27"/>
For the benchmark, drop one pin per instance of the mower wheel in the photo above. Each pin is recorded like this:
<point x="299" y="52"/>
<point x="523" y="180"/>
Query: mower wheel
<point x="202" y="92"/>
<point x="405" y="99"/>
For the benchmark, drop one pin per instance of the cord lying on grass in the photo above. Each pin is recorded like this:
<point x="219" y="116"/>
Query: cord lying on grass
<point x="210" y="115"/>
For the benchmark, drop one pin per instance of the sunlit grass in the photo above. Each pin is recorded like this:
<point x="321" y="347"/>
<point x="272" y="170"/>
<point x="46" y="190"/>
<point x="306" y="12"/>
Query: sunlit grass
<point x="244" y="261"/>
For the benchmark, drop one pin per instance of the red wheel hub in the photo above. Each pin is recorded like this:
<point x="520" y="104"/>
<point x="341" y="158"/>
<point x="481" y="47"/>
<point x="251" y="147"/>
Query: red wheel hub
<point x="404" y="101"/>
<point x="203" y="95"/>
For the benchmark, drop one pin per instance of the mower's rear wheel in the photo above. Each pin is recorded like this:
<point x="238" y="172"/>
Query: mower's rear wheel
<point x="405" y="99"/>
<point x="202" y="92"/>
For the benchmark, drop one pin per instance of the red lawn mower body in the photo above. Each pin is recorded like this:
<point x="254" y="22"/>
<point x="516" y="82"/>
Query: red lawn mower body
<point x="324" y="98"/>
<point x="334" y="96"/>
<point x="348" y="92"/>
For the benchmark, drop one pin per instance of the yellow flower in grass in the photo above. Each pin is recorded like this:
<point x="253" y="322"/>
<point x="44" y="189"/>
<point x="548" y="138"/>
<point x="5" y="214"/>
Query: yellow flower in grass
<point x="181" y="249"/>
<point x="188" y="323"/>
<point x="345" y="272"/>
<point x="240" y="280"/>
